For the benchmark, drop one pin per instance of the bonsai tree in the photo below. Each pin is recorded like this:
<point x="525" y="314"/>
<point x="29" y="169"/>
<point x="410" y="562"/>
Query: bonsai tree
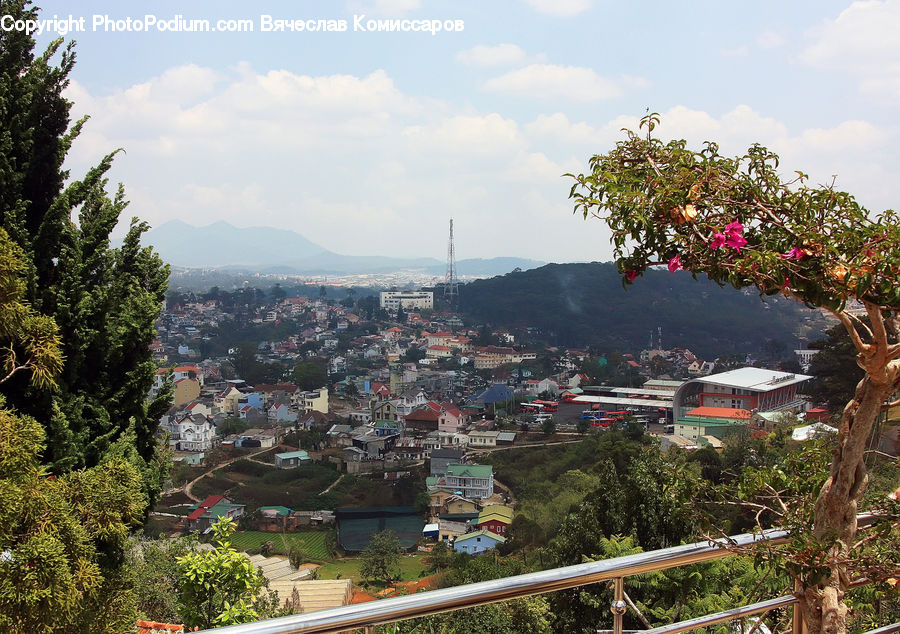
<point x="739" y="222"/>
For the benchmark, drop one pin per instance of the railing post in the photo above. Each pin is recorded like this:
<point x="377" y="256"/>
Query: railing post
<point x="618" y="606"/>
<point x="798" y="626"/>
<point x="370" y="629"/>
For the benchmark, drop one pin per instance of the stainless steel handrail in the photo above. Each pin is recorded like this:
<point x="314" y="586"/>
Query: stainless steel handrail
<point x="425" y="603"/>
<point x="726" y="615"/>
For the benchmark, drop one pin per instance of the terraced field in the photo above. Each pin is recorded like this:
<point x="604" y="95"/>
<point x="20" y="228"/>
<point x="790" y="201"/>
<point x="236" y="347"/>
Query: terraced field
<point x="312" y="542"/>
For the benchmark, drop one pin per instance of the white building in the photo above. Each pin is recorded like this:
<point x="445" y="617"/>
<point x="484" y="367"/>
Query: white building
<point x="751" y="389"/>
<point x="391" y="300"/>
<point x="189" y="433"/>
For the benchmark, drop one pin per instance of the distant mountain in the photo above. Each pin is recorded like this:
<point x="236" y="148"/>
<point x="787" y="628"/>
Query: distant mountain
<point x="221" y="244"/>
<point x="583" y="304"/>
<point x="269" y="250"/>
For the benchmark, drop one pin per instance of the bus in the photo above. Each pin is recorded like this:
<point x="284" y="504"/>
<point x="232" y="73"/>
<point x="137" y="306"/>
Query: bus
<point x="548" y="406"/>
<point x="533" y="407"/>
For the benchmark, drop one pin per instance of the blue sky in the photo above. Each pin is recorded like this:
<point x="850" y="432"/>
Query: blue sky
<point x="368" y="143"/>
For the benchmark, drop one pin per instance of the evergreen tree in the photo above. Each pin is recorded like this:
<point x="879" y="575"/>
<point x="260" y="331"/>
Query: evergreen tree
<point x="104" y="301"/>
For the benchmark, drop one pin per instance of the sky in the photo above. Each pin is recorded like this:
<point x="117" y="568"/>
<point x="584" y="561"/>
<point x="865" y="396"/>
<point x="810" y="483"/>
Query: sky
<point x="369" y="142"/>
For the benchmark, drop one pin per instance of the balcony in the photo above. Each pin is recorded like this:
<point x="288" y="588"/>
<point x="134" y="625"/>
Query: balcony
<point x="367" y="616"/>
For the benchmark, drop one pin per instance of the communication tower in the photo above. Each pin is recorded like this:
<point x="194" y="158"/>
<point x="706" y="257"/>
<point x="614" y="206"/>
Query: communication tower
<point x="451" y="285"/>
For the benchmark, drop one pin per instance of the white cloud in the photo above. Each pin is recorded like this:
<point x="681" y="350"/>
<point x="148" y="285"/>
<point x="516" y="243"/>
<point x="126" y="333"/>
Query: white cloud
<point x="557" y="127"/>
<point x="467" y="135"/>
<point x="738" y="51"/>
<point x="549" y="81"/>
<point x="385" y="8"/>
<point x="770" y="39"/>
<point x="861" y="41"/>
<point x="560" y="8"/>
<point x="359" y="166"/>
<point x="499" y="55"/>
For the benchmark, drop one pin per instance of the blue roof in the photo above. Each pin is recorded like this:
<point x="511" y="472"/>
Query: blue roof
<point x="494" y="394"/>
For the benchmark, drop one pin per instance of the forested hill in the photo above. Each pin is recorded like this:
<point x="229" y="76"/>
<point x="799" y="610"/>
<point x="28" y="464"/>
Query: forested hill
<point x="584" y="304"/>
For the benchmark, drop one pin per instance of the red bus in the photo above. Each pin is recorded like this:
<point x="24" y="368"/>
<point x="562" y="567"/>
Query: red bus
<point x="533" y="407"/>
<point x="548" y="406"/>
<point x="620" y="415"/>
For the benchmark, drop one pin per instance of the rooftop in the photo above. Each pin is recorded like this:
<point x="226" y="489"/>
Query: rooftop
<point x="757" y="379"/>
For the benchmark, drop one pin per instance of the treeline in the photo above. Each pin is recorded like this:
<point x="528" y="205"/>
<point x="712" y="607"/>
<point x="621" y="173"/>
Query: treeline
<point x="585" y="304"/>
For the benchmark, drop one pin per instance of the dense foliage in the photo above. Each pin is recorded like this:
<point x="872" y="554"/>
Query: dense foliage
<point x="221" y="586"/>
<point x="103" y="300"/>
<point x="737" y="221"/>
<point x="60" y="537"/>
<point x="584" y="304"/>
<point x="381" y="558"/>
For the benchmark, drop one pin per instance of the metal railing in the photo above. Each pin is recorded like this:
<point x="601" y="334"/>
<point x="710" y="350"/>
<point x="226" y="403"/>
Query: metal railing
<point x="368" y="615"/>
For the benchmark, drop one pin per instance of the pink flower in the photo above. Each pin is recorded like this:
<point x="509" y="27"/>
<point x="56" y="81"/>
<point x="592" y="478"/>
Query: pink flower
<point x="794" y="254"/>
<point x="734" y="227"/>
<point x="733" y="235"/>
<point x="735" y="241"/>
<point x="631" y="275"/>
<point x="675" y="264"/>
<point x="717" y="241"/>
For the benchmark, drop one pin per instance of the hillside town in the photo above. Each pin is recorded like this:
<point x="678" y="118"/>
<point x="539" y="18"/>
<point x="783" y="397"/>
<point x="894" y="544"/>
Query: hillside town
<point x="409" y="394"/>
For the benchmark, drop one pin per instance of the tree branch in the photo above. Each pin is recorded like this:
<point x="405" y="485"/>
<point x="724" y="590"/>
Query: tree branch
<point x="879" y="332"/>
<point x="845" y="319"/>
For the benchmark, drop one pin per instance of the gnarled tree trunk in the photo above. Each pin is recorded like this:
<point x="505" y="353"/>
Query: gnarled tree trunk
<point x="836" y="507"/>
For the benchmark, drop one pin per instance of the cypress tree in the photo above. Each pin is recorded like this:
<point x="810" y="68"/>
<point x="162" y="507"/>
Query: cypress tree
<point x="104" y="300"/>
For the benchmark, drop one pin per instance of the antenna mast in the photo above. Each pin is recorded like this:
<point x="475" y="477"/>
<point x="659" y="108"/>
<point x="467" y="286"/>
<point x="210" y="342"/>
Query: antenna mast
<point x="451" y="285"/>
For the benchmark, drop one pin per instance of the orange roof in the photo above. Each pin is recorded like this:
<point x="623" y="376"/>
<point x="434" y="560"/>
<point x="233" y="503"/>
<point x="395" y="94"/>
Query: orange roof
<point x="719" y="412"/>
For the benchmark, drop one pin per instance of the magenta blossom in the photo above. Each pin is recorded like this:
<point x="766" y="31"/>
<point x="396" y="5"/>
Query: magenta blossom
<point x="733" y="235"/>
<point x="735" y="241"/>
<point x="631" y="275"/>
<point x="794" y="254"/>
<point x="717" y="241"/>
<point x="734" y="227"/>
<point x="675" y="264"/>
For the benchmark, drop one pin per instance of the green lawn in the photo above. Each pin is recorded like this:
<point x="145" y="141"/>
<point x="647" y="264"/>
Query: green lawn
<point x="313" y="542"/>
<point x="411" y="568"/>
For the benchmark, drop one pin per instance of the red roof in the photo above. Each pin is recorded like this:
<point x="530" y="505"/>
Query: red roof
<point x="426" y="415"/>
<point x="719" y="412"/>
<point x="205" y="505"/>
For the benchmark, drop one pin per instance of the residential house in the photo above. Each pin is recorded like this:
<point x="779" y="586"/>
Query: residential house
<point x="290" y="459"/>
<point x="189" y="432"/>
<point x="446" y="503"/>
<point x="374" y="446"/>
<point x="361" y="417"/>
<point x="423" y="419"/>
<point x="185" y="391"/>
<point x="442" y="458"/>
<point x="387" y="428"/>
<point x="481" y="439"/>
<point x="315" y="420"/>
<point x="452" y="419"/>
<point x="448" y="531"/>
<point x="210" y="510"/>
<point x="385" y="410"/>
<point x="281" y="414"/>
<point x="472" y="481"/>
<point x="314" y="400"/>
<point x="477" y="542"/>
<point x="226" y="401"/>
<point x="495" y="518"/>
